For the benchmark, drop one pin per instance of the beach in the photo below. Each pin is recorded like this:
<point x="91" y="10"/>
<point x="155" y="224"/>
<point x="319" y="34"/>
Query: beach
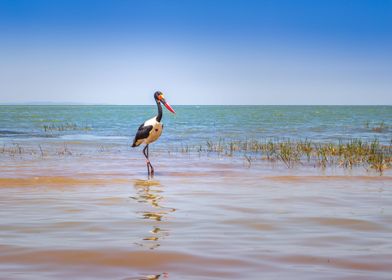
<point x="76" y="200"/>
<point x="196" y="140"/>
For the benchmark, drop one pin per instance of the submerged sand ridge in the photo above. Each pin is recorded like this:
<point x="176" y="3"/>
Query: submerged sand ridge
<point x="96" y="215"/>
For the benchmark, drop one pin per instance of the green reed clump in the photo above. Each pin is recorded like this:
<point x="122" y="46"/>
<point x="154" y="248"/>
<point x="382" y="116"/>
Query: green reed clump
<point x="381" y="127"/>
<point x="218" y="147"/>
<point x="65" y="127"/>
<point x="12" y="150"/>
<point x="355" y="152"/>
<point x="322" y="153"/>
<point x="288" y="153"/>
<point x="379" y="156"/>
<point x="305" y="147"/>
<point x="378" y="162"/>
<point x="270" y="150"/>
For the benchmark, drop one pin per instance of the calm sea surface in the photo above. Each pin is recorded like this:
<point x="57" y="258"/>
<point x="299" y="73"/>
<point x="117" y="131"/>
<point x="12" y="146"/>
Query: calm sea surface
<point x="76" y="203"/>
<point x="195" y="124"/>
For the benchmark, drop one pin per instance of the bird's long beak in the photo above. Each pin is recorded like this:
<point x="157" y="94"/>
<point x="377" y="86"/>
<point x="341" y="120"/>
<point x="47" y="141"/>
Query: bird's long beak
<point x="167" y="106"/>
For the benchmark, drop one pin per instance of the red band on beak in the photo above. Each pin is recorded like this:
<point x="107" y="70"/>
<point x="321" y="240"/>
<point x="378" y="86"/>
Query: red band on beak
<point x="169" y="107"/>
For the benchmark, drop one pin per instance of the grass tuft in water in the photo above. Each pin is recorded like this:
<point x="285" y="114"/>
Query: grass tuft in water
<point x="352" y="153"/>
<point x="65" y="127"/>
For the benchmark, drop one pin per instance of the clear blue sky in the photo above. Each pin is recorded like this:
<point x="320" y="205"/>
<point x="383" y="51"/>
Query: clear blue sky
<point x="196" y="52"/>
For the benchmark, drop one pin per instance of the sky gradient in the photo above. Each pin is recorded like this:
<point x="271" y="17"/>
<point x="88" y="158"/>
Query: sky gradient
<point x="196" y="52"/>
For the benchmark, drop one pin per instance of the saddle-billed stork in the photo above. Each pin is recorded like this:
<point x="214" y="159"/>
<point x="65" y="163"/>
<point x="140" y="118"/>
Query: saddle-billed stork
<point x="151" y="129"/>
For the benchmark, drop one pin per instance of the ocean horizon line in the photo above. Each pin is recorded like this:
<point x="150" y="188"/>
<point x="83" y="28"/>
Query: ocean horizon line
<point x="111" y="104"/>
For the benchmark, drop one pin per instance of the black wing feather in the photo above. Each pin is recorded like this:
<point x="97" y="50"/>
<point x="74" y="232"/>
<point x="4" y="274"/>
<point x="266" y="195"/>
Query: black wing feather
<point x="142" y="133"/>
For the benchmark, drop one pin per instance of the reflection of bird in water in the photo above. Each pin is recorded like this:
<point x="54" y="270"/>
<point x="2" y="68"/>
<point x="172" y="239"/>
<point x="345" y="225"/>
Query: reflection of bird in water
<point x="163" y="275"/>
<point x="150" y="192"/>
<point x="151" y="130"/>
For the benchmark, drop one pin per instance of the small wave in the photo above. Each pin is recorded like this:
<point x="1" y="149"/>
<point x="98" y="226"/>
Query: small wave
<point x="110" y="258"/>
<point x="370" y="262"/>
<point x="91" y="137"/>
<point x="315" y="178"/>
<point x="346" y="223"/>
<point x="58" y="181"/>
<point x="11" y="132"/>
<point x="23" y="134"/>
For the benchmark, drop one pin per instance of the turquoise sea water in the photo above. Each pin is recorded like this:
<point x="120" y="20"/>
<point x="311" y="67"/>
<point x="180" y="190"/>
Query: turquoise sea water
<point x="197" y="124"/>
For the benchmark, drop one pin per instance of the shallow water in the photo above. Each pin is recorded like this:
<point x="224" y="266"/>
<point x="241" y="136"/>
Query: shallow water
<point x="83" y="208"/>
<point x="98" y="216"/>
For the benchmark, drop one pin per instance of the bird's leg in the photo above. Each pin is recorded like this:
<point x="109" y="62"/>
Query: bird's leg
<point x="152" y="168"/>
<point x="147" y="160"/>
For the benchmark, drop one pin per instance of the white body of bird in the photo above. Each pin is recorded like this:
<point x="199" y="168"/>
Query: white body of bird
<point x="155" y="132"/>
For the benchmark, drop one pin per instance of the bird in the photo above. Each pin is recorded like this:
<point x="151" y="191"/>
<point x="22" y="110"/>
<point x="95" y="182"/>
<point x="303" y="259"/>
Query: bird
<point x="149" y="131"/>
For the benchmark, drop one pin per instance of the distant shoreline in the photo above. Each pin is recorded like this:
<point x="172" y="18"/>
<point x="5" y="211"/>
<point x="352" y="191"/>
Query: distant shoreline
<point x="227" y="105"/>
